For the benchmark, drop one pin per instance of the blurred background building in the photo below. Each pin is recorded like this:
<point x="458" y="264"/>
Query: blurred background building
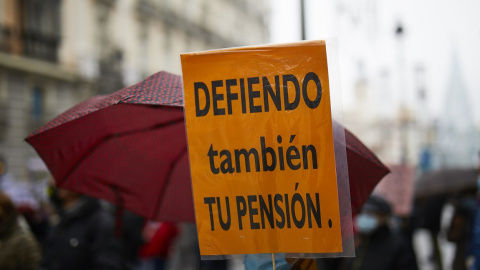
<point x="408" y="79"/>
<point x="389" y="89"/>
<point x="410" y="91"/>
<point x="407" y="88"/>
<point x="56" y="53"/>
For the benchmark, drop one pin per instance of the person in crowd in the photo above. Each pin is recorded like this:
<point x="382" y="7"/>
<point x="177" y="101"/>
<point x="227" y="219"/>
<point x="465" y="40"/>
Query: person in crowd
<point x="18" y="247"/>
<point x="128" y="228"/>
<point x="427" y="214"/>
<point x="159" y="237"/>
<point x="377" y="247"/>
<point x="460" y="229"/>
<point x="84" y="237"/>
<point x="132" y="239"/>
<point x="475" y="243"/>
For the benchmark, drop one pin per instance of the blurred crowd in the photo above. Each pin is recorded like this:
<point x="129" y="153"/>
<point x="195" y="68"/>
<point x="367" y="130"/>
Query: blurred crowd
<point x="43" y="226"/>
<point x="440" y="231"/>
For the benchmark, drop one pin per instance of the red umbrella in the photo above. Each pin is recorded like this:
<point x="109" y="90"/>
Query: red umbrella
<point x="130" y="147"/>
<point x="365" y="170"/>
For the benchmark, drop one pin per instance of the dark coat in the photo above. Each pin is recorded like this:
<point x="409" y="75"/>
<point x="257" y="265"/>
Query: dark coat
<point x="84" y="239"/>
<point x="383" y="250"/>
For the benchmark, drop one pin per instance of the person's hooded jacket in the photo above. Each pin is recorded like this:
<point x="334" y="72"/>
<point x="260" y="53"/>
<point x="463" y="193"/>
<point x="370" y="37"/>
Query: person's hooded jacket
<point x="83" y="239"/>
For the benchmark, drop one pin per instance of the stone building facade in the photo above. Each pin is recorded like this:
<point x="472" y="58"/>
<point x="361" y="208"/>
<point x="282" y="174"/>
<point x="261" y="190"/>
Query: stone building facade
<point x="56" y="53"/>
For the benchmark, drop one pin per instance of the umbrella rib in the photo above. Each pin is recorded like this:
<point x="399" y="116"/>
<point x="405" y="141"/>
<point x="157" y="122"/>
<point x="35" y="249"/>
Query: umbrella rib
<point x="162" y="190"/>
<point x="109" y="137"/>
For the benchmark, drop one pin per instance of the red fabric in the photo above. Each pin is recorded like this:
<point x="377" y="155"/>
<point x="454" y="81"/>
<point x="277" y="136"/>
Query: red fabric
<point x="365" y="170"/>
<point x="161" y="88"/>
<point x="161" y="241"/>
<point x="132" y="141"/>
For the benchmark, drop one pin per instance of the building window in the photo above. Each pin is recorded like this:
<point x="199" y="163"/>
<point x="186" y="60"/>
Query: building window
<point x="31" y="29"/>
<point x="41" y="31"/>
<point x="37" y="104"/>
<point x="110" y="57"/>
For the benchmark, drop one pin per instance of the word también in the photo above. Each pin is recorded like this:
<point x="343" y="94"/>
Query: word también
<point x="231" y="161"/>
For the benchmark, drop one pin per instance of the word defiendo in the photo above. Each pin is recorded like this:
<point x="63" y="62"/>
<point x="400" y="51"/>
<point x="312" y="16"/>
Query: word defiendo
<point x="292" y="157"/>
<point x="242" y="86"/>
<point x="273" y="211"/>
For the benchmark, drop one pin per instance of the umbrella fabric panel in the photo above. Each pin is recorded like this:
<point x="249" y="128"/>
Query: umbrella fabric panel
<point x="64" y="147"/>
<point x="365" y="168"/>
<point x="120" y="166"/>
<point x="365" y="178"/>
<point x="162" y="88"/>
<point x="177" y="198"/>
<point x="128" y="147"/>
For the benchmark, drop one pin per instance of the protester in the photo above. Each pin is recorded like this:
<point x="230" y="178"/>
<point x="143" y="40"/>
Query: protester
<point x="427" y="215"/>
<point x="460" y="229"/>
<point x="25" y="201"/>
<point x="37" y="184"/>
<point x="377" y="247"/>
<point x="132" y="239"/>
<point x="84" y="237"/>
<point x="18" y="247"/>
<point x="128" y="228"/>
<point x="159" y="237"/>
<point x="476" y="225"/>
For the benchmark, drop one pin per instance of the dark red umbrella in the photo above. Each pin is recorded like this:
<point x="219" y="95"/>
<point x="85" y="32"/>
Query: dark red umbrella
<point x="446" y="181"/>
<point x="130" y="147"/>
<point x="365" y="170"/>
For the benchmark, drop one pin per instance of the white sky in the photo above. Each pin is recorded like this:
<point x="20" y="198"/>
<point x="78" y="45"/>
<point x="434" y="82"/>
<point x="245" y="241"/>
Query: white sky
<point x="435" y="30"/>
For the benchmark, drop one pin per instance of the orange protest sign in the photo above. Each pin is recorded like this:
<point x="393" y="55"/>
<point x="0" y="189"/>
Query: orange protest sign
<point x="259" y="131"/>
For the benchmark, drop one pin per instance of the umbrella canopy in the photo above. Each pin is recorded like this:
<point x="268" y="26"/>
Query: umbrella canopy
<point x="130" y="147"/>
<point x="365" y="171"/>
<point x="125" y="147"/>
<point x="446" y="181"/>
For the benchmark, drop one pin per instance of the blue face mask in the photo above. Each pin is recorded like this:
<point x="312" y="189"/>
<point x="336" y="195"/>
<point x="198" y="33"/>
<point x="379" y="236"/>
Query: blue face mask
<point x="366" y="223"/>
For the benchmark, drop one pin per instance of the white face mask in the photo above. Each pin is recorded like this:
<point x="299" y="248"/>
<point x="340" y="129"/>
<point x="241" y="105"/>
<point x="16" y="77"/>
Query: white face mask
<point x="366" y="223"/>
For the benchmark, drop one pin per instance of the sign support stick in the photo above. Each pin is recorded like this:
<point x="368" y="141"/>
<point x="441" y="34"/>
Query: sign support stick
<point x="273" y="261"/>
